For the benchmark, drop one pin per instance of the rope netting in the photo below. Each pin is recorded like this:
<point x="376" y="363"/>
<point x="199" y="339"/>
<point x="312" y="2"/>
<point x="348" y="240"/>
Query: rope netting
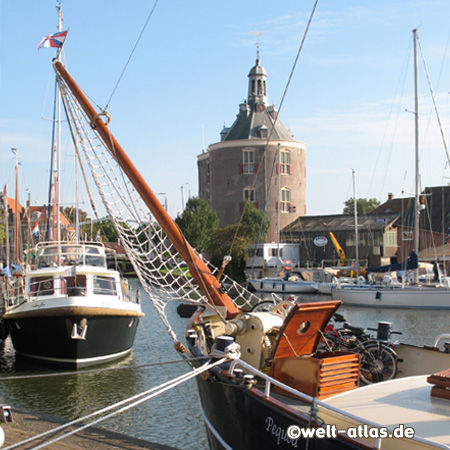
<point x="162" y="272"/>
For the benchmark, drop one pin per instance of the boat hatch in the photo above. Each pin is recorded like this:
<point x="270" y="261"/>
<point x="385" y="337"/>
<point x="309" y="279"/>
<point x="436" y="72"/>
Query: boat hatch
<point x="302" y="329"/>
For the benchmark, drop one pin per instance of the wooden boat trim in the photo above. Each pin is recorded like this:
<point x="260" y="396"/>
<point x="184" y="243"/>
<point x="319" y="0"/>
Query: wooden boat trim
<point x="72" y="311"/>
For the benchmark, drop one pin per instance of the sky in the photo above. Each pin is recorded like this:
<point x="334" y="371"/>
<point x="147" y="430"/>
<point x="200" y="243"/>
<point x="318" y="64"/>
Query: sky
<point x="350" y="99"/>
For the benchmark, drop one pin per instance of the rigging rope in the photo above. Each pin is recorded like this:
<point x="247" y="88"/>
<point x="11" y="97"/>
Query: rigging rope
<point x="130" y="402"/>
<point x="277" y="115"/>
<point x="434" y="103"/>
<point x="131" y="54"/>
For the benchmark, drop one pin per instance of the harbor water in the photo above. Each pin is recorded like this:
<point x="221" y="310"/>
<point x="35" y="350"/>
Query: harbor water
<point x="174" y="418"/>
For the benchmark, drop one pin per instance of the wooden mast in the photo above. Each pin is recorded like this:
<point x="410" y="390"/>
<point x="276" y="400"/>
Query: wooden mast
<point x="198" y="269"/>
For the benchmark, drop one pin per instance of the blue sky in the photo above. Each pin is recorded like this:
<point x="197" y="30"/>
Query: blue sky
<point x="347" y="100"/>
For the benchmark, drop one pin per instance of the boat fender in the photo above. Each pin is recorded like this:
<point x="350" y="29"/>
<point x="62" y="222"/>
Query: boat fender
<point x="2" y="437"/>
<point x="335" y="282"/>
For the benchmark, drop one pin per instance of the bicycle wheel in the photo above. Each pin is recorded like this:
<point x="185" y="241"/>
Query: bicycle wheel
<point x="378" y="362"/>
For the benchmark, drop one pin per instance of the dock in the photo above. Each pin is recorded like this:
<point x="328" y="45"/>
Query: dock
<point x="26" y="424"/>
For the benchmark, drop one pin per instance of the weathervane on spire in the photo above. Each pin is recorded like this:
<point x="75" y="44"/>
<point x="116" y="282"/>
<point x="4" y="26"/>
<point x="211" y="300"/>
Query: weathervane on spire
<point x="257" y="46"/>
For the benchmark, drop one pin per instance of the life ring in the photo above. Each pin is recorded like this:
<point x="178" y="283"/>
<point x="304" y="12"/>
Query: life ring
<point x="361" y="280"/>
<point x="293" y="278"/>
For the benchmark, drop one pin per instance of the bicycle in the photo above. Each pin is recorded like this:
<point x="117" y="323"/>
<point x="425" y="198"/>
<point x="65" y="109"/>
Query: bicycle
<point x="379" y="361"/>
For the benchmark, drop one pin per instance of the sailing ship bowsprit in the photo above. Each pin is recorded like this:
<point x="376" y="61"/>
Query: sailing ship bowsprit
<point x="274" y="382"/>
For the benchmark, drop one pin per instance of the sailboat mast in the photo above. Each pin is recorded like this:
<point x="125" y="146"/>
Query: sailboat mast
<point x="356" y="225"/>
<point x="58" y="138"/>
<point x="278" y="201"/>
<point x="16" y="210"/>
<point x="417" y="180"/>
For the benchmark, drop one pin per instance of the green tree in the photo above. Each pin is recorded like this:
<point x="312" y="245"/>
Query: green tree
<point x="223" y="242"/>
<point x="251" y="223"/>
<point x="235" y="239"/>
<point x="106" y="229"/>
<point x="198" y="222"/>
<point x="363" y="205"/>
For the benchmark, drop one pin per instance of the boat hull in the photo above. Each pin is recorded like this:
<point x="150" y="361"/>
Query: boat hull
<point x="72" y="336"/>
<point x="281" y="286"/>
<point x="408" y="297"/>
<point x="239" y="419"/>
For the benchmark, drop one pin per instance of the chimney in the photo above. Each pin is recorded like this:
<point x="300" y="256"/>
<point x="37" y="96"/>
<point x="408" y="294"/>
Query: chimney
<point x="390" y="196"/>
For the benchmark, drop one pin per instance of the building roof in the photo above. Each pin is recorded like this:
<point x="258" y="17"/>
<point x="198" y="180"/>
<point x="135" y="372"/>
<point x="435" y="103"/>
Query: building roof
<point x="256" y="118"/>
<point x="339" y="222"/>
<point x="12" y="205"/>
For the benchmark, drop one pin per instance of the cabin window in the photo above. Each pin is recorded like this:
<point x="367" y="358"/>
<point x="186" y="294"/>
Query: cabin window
<point x="41" y="286"/>
<point x="105" y="286"/>
<point x="74" y="286"/>
<point x="285" y="200"/>
<point x="249" y="194"/>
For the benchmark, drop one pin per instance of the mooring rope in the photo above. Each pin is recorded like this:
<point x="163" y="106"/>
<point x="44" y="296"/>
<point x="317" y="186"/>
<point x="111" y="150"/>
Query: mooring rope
<point x="91" y="371"/>
<point x="130" y="402"/>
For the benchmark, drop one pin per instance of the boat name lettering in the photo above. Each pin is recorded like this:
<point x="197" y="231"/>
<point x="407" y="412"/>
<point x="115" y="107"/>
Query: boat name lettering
<point x="279" y="432"/>
<point x="38" y="305"/>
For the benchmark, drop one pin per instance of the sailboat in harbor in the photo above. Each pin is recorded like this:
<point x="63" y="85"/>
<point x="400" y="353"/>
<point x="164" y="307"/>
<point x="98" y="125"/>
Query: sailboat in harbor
<point x="69" y="308"/>
<point x="261" y="379"/>
<point x="395" y="294"/>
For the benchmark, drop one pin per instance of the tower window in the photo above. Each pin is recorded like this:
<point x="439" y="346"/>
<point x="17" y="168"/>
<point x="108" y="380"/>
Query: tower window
<point x="285" y="162"/>
<point x="259" y="87"/>
<point x="248" y="161"/>
<point x="285" y="200"/>
<point x="249" y="194"/>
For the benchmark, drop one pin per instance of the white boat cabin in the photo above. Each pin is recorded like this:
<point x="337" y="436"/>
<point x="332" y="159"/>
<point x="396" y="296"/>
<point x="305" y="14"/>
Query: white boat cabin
<point x="69" y="269"/>
<point x="265" y="257"/>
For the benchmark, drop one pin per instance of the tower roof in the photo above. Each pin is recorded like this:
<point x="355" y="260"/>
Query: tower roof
<point x="256" y="117"/>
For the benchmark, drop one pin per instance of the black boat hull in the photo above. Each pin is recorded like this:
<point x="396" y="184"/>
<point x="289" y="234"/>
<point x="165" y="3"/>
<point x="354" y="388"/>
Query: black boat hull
<point x="70" y="342"/>
<point x="237" y="419"/>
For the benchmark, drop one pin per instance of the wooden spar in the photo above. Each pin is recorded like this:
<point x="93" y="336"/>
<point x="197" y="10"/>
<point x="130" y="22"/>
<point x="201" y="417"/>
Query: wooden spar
<point x="206" y="281"/>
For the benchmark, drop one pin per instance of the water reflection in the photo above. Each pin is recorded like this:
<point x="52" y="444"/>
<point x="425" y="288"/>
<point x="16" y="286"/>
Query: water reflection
<point x="172" y="418"/>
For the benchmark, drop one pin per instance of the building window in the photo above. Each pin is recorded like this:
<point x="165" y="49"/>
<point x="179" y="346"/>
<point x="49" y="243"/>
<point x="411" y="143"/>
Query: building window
<point x="390" y="239"/>
<point x="248" y="161"/>
<point x="249" y="194"/>
<point x="285" y="162"/>
<point x="285" y="200"/>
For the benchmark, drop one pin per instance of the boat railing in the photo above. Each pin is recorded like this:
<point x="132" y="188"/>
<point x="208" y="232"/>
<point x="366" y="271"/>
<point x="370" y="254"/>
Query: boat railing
<point x="75" y="286"/>
<point x="70" y="254"/>
<point x="314" y="402"/>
